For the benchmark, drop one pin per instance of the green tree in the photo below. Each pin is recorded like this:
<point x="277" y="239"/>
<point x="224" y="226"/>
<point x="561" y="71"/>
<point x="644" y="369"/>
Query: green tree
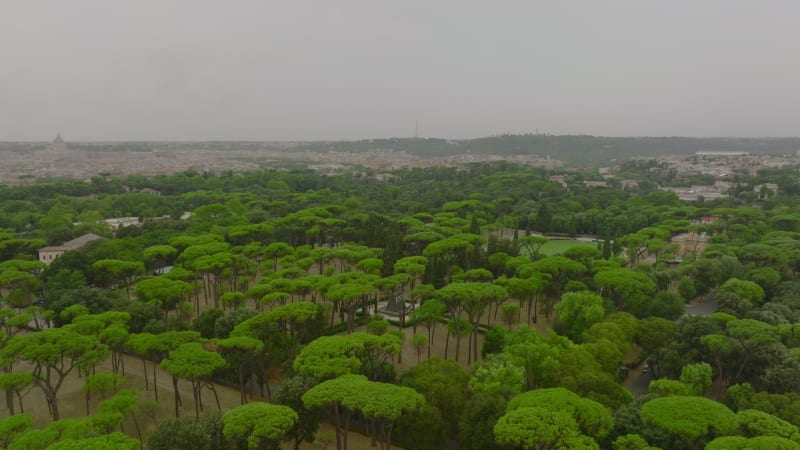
<point x="576" y="312"/>
<point x="240" y="352"/>
<point x="16" y="383"/>
<point x="538" y="428"/>
<point x="629" y="289"/>
<point x="590" y="417"/>
<point x="101" y="383"/>
<point x="692" y="420"/>
<point x="179" y="434"/>
<point x="477" y="420"/>
<point x="444" y="384"/>
<point x="52" y="354"/>
<point x="291" y="395"/>
<point x="259" y="425"/>
<point x="760" y="443"/>
<point x="420" y="342"/>
<point x="429" y="314"/>
<point x="119" y="273"/>
<point x="192" y="362"/>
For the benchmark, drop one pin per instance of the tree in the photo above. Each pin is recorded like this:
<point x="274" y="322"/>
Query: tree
<point x="115" y="336"/>
<point x="590" y="417"/>
<point x="11" y="324"/>
<point x="697" y="377"/>
<point x="118" y="272"/>
<point x="53" y="353"/>
<point x="477" y="421"/>
<point x="751" y="338"/>
<point x="158" y="256"/>
<point x="260" y="425"/>
<point x="576" y="312"/>
<point x="654" y="332"/>
<point x="381" y="404"/>
<point x="101" y="383"/>
<point x="194" y="363"/>
<point x="15" y="383"/>
<point x="753" y="423"/>
<point x="510" y="314"/>
<point x="739" y="296"/>
<point x="179" y="434"/>
<point x="499" y="375"/>
<point x="414" y="267"/>
<point x="150" y="347"/>
<point x="328" y="357"/>
<point x="629" y="289"/>
<point x="537" y="428"/>
<point x="164" y="292"/>
<point x="444" y="384"/>
<point x="631" y="442"/>
<point x="349" y="297"/>
<point x="240" y="352"/>
<point x="301" y="320"/>
<point x="533" y="245"/>
<point x="560" y="270"/>
<point x="429" y="314"/>
<point x="420" y="342"/>
<point x="690" y="419"/>
<point x="760" y="443"/>
<point x="291" y="395"/>
<point x="114" y="440"/>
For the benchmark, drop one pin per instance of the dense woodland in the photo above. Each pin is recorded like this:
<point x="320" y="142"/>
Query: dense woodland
<point x="270" y="286"/>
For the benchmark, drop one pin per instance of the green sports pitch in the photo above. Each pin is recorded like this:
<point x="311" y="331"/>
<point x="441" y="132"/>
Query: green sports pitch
<point x="558" y="246"/>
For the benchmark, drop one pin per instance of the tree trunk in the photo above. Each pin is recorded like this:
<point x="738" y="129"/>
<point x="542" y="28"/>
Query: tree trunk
<point x="446" y="344"/>
<point x="338" y="427"/>
<point x="146" y="378"/>
<point x="10" y="395"/>
<point x="242" y="395"/>
<point x="475" y="344"/>
<point x="21" y="408"/>
<point x="53" y="402"/>
<point x="155" y="385"/>
<point x="177" y="396"/>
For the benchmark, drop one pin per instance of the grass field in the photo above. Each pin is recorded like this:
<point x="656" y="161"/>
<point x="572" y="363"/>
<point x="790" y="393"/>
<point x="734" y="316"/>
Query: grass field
<point x="557" y="246"/>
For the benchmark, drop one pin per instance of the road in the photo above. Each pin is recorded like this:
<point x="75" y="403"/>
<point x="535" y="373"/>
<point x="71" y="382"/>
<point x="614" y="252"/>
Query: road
<point x="638" y="381"/>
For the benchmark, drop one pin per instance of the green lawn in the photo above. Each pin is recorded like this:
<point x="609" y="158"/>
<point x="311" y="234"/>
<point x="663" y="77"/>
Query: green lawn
<point x="556" y="246"/>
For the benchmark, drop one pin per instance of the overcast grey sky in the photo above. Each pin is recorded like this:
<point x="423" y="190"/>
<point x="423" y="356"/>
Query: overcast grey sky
<point x="346" y="69"/>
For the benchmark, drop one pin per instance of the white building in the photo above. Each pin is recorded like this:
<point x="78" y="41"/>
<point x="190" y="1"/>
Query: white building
<point x="48" y="254"/>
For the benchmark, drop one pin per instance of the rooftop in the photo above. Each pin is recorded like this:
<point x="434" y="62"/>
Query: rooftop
<point x="75" y="243"/>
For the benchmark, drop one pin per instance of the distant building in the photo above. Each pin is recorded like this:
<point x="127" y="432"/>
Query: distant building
<point x="691" y="242"/>
<point x="765" y="190"/>
<point x="696" y="193"/>
<point x="120" y="222"/>
<point x="560" y="179"/>
<point x="48" y="254"/>
<point x="149" y="191"/>
<point x="594" y="184"/>
<point x="721" y="153"/>
<point x="58" y="150"/>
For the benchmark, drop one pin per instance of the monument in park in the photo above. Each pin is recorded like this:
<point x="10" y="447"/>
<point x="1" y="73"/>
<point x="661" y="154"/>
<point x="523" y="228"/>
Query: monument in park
<point x="395" y="305"/>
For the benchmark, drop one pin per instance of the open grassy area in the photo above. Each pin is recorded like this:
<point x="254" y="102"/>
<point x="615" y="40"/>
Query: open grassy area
<point x="557" y="246"/>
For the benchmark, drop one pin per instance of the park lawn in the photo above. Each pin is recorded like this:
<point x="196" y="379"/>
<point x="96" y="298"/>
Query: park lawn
<point x="558" y="246"/>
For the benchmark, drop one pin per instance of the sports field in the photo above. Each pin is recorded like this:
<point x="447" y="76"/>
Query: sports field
<point x="557" y="246"/>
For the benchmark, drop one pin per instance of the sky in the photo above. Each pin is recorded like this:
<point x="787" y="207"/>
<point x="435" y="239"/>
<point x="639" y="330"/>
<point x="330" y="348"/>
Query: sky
<point x="100" y="70"/>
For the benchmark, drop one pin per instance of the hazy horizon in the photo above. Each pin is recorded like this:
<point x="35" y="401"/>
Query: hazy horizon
<point x="203" y="70"/>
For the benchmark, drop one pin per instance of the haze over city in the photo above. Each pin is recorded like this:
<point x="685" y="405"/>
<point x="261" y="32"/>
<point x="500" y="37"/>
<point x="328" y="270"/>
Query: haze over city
<point x="252" y="70"/>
